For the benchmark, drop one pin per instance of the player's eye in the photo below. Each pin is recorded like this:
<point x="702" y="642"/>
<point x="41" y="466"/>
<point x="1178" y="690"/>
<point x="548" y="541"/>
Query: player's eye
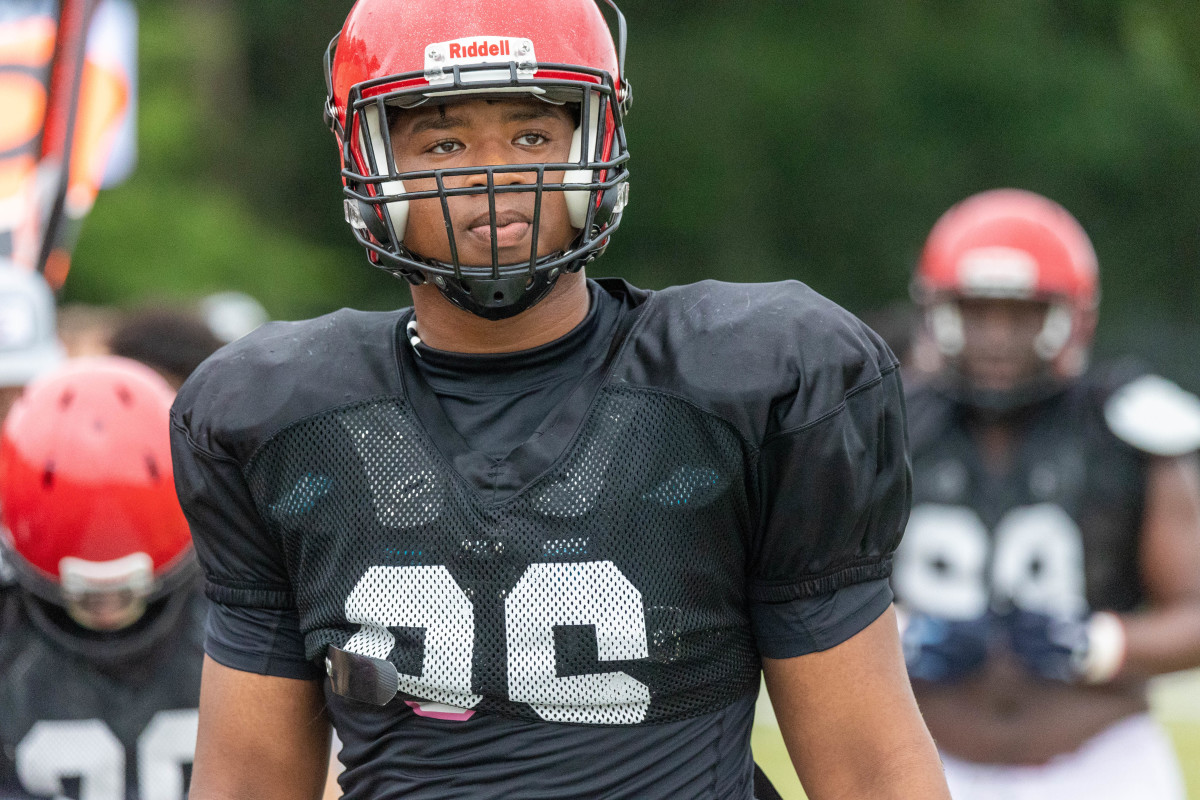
<point x="531" y="139"/>
<point x="445" y="147"/>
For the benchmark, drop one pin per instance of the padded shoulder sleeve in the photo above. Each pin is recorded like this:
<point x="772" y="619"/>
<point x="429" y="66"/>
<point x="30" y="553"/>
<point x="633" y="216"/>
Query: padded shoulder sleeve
<point x="834" y="495"/>
<point x="764" y="357"/>
<point x="234" y="402"/>
<point x="243" y="563"/>
<point x="1155" y="416"/>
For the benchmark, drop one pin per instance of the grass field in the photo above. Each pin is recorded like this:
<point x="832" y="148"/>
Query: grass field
<point x="1176" y="702"/>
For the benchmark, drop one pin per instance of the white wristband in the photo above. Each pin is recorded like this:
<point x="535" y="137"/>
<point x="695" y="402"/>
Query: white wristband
<point x="1106" y="648"/>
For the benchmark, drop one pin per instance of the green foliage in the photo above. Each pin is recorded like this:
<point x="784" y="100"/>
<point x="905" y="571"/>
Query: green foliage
<point x="224" y="195"/>
<point x="821" y="142"/>
<point x="771" y="140"/>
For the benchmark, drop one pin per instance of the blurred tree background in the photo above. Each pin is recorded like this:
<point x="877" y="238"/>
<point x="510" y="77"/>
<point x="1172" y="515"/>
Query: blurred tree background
<point x="775" y="139"/>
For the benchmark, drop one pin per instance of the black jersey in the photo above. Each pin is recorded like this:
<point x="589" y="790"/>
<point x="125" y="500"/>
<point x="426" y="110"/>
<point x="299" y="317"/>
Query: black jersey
<point x="100" y="718"/>
<point x="583" y="616"/>
<point x="1056" y="532"/>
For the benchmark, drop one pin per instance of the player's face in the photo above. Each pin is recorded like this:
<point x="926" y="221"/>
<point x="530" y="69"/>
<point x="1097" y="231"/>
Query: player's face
<point x="998" y="341"/>
<point x="474" y="133"/>
<point x="108" y="610"/>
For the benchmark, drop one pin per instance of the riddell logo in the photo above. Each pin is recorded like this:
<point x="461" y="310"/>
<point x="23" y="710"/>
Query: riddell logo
<point x="442" y="57"/>
<point x="480" y="49"/>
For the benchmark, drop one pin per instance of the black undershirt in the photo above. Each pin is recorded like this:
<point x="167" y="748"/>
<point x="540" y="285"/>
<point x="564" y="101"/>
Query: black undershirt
<point x="498" y="401"/>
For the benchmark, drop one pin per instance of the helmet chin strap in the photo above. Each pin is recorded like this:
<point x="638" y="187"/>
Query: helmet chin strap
<point x="998" y="404"/>
<point x="498" y="298"/>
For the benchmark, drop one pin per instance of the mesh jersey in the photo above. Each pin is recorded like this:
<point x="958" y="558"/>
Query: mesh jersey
<point x="738" y="447"/>
<point x="73" y="728"/>
<point x="1057" y="532"/>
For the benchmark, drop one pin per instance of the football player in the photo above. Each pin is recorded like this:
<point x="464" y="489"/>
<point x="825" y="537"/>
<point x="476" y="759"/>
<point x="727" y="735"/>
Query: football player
<point x="1051" y="564"/>
<point x="537" y="536"/>
<point x="101" y="637"/>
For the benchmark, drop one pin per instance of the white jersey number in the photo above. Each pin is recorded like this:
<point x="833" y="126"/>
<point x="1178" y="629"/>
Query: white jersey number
<point x="589" y="593"/>
<point x="566" y="594"/>
<point x="418" y="597"/>
<point x="55" y="750"/>
<point x="1036" y="561"/>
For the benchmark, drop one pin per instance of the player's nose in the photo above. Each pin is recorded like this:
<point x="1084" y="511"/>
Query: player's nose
<point x="500" y="153"/>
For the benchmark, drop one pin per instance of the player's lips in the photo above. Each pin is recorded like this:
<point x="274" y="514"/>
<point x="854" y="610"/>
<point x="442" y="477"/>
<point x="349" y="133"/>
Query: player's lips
<point x="511" y="228"/>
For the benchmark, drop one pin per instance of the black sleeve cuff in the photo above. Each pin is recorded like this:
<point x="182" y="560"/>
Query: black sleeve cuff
<point x="812" y="624"/>
<point x="262" y="641"/>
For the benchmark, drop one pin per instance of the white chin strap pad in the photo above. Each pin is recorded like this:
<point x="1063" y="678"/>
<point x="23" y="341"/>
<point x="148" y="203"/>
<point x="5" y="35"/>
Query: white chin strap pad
<point x="1055" y="333"/>
<point x="397" y="209"/>
<point x="945" y="322"/>
<point x="577" y="201"/>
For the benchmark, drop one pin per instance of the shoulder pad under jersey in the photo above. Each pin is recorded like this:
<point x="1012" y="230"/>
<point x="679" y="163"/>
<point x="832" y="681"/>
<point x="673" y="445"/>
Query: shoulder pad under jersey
<point x="1155" y="416"/>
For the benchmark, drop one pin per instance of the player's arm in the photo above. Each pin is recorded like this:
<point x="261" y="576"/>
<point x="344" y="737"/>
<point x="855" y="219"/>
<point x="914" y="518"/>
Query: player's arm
<point x="850" y="722"/>
<point x="1166" y="636"/>
<point x="260" y="737"/>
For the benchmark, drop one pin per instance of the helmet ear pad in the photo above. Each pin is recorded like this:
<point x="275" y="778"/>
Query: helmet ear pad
<point x="946" y="325"/>
<point x="396" y="210"/>
<point x="1056" y="332"/>
<point x="583" y="146"/>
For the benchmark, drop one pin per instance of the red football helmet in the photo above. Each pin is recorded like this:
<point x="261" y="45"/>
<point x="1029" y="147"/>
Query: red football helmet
<point x="86" y="487"/>
<point x="400" y="55"/>
<point x="1008" y="243"/>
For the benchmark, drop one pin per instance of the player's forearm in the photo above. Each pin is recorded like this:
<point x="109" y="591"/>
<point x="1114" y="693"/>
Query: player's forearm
<point x="851" y="723"/>
<point x="260" y="737"/>
<point x="909" y="771"/>
<point x="1162" y="640"/>
<point x="214" y="779"/>
<point x="247" y="777"/>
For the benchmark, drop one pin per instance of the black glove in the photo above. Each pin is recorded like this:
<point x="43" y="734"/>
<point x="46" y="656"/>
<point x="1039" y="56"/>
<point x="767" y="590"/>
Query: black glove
<point x="1052" y="647"/>
<point x="940" y="650"/>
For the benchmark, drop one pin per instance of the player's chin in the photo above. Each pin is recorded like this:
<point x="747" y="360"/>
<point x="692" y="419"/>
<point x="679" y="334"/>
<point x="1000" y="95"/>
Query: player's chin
<point x="513" y="244"/>
<point x="997" y="378"/>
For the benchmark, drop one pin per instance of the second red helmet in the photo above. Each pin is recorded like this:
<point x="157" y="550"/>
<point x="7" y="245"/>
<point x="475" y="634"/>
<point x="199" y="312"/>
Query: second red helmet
<point x="86" y="485"/>
<point x="1014" y="244"/>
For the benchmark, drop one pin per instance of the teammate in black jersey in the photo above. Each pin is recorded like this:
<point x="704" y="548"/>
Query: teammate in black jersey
<point x="101" y="635"/>
<point x="1052" y="560"/>
<point x="537" y="536"/>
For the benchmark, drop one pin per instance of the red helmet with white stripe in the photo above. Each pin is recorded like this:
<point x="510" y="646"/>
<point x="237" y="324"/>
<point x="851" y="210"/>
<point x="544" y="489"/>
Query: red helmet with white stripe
<point x="1012" y="244"/>
<point x="392" y="55"/>
<point x="87" y="491"/>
